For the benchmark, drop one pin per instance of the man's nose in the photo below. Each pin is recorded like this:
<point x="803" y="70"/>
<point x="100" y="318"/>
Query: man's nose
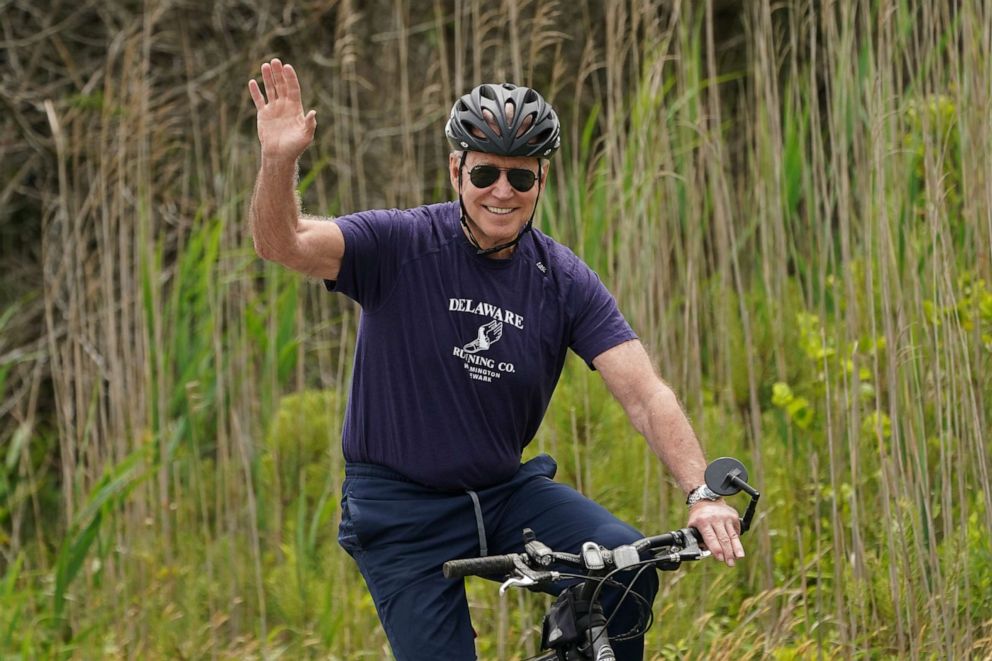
<point x="502" y="188"/>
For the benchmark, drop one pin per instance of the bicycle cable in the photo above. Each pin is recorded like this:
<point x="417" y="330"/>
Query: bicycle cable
<point x="646" y="615"/>
<point x="641" y="601"/>
<point x="601" y="581"/>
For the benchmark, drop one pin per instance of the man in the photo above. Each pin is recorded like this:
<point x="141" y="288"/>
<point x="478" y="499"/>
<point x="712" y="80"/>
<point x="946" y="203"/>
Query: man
<point x="468" y="313"/>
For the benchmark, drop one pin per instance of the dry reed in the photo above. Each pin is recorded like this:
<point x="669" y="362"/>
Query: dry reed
<point x="792" y="201"/>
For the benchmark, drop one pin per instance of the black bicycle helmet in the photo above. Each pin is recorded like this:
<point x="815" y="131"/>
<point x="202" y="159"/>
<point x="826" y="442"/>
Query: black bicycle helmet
<point x="505" y="120"/>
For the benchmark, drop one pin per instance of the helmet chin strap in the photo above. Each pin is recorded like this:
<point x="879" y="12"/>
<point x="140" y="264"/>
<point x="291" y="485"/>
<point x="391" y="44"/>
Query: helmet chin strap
<point x="466" y="219"/>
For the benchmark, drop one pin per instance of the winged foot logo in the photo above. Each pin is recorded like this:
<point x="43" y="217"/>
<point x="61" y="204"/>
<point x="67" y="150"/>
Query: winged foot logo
<point x="477" y="366"/>
<point x="488" y="335"/>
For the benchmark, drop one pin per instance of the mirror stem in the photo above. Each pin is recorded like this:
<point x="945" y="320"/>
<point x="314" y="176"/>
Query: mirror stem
<point x="742" y="485"/>
<point x="749" y="513"/>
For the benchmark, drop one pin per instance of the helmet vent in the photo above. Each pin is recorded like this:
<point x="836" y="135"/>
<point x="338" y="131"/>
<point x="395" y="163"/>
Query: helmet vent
<point x="509" y="110"/>
<point x="530" y="96"/>
<point x="490" y="118"/>
<point x="486" y="92"/>
<point x="540" y="137"/>
<point x="525" y="125"/>
<point x="475" y="131"/>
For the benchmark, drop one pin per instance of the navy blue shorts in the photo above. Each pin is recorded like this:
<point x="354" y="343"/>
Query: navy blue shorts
<point x="400" y="533"/>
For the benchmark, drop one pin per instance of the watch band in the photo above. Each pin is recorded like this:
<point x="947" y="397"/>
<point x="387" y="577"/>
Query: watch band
<point x="702" y="492"/>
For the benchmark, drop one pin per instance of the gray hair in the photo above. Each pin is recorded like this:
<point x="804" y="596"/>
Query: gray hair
<point x="545" y="162"/>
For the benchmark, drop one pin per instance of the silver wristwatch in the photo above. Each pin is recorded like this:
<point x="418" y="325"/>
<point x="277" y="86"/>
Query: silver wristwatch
<point x="702" y="492"/>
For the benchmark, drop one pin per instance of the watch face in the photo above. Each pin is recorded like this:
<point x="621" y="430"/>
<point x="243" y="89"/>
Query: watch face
<point x="695" y="495"/>
<point x="702" y="492"/>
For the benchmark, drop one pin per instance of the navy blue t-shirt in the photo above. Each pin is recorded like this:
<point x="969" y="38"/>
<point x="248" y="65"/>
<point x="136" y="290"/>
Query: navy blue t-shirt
<point x="458" y="354"/>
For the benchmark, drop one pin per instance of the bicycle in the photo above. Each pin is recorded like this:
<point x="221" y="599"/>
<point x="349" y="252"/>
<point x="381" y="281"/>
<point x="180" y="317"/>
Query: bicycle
<point x="574" y="628"/>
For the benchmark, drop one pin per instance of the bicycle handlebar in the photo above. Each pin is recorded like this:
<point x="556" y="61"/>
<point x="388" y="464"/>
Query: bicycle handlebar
<point x="667" y="539"/>
<point x="493" y="564"/>
<point x="726" y="476"/>
<point x="503" y="564"/>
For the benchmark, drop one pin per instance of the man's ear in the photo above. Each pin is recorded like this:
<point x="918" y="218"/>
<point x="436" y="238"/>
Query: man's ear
<point x="453" y="161"/>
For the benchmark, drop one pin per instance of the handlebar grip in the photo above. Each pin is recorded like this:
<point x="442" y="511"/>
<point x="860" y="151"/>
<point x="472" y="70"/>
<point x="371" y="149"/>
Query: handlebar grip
<point x="493" y="564"/>
<point x="667" y="539"/>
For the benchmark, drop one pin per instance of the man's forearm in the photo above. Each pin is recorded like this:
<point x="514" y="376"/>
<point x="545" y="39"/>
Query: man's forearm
<point x="667" y="430"/>
<point x="275" y="208"/>
<point x="655" y="411"/>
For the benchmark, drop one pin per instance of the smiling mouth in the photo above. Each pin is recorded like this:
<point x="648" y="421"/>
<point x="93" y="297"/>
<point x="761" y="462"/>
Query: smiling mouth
<point x="499" y="211"/>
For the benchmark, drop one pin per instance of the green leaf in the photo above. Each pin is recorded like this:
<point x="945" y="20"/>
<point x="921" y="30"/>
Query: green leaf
<point x="10" y="578"/>
<point x="782" y="394"/>
<point x="4" y="371"/>
<point x="21" y="435"/>
<point x="800" y="412"/>
<point x="117" y="483"/>
<point x="585" y="144"/>
<point x="311" y="174"/>
<point x="112" y="488"/>
<point x="70" y="559"/>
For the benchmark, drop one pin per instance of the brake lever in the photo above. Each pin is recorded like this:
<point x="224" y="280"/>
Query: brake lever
<point x="690" y="549"/>
<point x="526" y="577"/>
<point x="515" y="582"/>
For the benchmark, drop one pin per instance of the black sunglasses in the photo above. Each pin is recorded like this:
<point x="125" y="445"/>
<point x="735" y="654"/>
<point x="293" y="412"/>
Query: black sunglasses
<point x="484" y="176"/>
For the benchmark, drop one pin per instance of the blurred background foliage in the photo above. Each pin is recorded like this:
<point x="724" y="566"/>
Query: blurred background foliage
<point x="791" y="200"/>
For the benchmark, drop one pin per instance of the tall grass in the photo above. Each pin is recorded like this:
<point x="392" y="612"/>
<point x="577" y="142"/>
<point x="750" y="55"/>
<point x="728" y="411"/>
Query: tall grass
<point x="792" y="202"/>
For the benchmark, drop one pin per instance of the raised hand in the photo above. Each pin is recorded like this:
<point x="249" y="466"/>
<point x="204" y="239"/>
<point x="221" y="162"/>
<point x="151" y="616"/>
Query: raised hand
<point x="284" y="131"/>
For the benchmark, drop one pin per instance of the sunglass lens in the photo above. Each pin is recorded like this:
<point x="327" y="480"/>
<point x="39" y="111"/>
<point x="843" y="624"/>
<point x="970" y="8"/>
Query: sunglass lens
<point x="522" y="180"/>
<point x="483" y="176"/>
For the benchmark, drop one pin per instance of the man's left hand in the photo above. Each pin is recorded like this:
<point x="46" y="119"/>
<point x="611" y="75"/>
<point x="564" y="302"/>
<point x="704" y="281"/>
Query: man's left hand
<point x="720" y="526"/>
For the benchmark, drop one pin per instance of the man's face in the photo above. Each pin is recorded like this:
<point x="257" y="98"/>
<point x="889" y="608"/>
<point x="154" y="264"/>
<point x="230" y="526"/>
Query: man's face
<point x="499" y="210"/>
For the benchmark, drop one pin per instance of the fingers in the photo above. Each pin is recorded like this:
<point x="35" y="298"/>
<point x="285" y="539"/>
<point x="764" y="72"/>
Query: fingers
<point x="256" y="94"/>
<point x="270" y="85"/>
<point x="721" y="547"/>
<point x="279" y="78"/>
<point x="735" y="541"/>
<point x="280" y="81"/>
<point x="717" y="542"/>
<point x="720" y="534"/>
<point x="291" y="83"/>
<point x="730" y="542"/>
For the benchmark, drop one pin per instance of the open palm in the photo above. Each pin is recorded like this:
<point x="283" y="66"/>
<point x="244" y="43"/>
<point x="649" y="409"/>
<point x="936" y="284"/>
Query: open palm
<point x="284" y="131"/>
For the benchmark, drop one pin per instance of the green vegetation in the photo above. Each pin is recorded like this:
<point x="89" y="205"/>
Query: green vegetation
<point x="791" y="201"/>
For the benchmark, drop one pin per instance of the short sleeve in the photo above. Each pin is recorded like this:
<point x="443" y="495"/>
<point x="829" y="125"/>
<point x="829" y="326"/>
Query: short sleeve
<point x="596" y="323"/>
<point x="374" y="245"/>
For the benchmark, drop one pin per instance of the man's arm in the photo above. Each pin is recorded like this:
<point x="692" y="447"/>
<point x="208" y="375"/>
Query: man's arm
<point x="654" y="410"/>
<point x="280" y="233"/>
